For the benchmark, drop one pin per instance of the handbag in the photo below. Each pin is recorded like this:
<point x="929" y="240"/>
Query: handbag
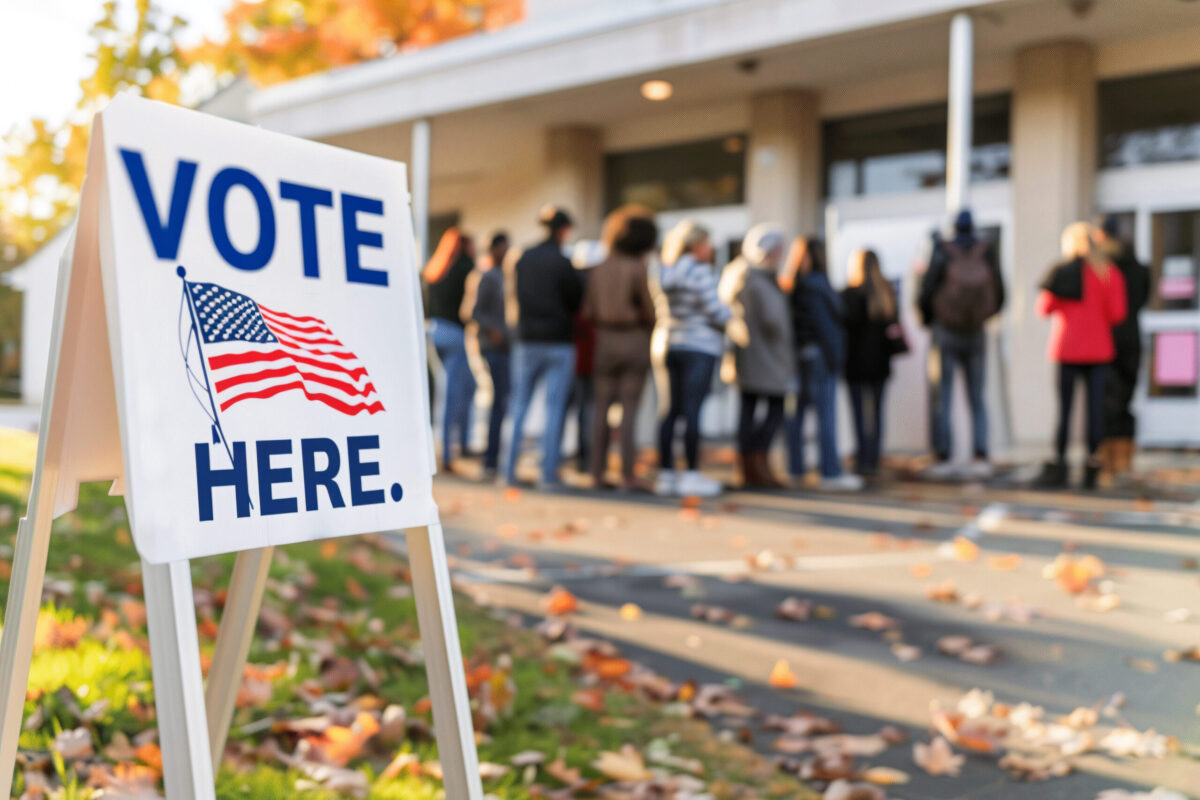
<point x="897" y="340"/>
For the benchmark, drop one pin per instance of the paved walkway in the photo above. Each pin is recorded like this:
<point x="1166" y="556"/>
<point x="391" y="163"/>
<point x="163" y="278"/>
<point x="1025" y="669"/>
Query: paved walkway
<point x="880" y="552"/>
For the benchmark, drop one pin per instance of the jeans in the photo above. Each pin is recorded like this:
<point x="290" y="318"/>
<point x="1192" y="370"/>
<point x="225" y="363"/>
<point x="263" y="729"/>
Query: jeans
<point x="755" y="436"/>
<point x="583" y="401"/>
<point x="499" y="369"/>
<point x="818" y="388"/>
<point x="531" y="362"/>
<point x="447" y="338"/>
<point x="1094" y="377"/>
<point x="690" y="377"/>
<point x="968" y="352"/>
<point x="866" y="400"/>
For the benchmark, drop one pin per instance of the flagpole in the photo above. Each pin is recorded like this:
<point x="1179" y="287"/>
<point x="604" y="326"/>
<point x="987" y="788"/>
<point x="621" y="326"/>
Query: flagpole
<point x="182" y="273"/>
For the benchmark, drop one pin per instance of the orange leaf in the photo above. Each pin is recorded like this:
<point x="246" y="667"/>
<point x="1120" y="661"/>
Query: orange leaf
<point x="782" y="676"/>
<point x="591" y="699"/>
<point x="965" y="549"/>
<point x="559" y="602"/>
<point x="150" y="755"/>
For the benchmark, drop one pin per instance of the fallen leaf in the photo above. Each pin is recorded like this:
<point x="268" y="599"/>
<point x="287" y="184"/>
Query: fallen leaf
<point x="73" y="745"/>
<point x="965" y="549"/>
<point x="1004" y="563"/>
<point x="630" y="612"/>
<point x="884" y="776"/>
<point x="842" y="789"/>
<point x="873" y="621"/>
<point x="906" y="652"/>
<point x="559" y="602"/>
<point x="624" y="765"/>
<point x="782" y="676"/>
<point x="794" y="609"/>
<point x="937" y="757"/>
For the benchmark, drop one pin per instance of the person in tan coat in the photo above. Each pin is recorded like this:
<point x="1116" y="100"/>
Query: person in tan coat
<point x="618" y="303"/>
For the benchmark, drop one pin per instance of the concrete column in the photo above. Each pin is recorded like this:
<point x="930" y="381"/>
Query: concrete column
<point x="574" y="176"/>
<point x="419" y="171"/>
<point x="960" y="113"/>
<point x="783" y="171"/>
<point x="1053" y="169"/>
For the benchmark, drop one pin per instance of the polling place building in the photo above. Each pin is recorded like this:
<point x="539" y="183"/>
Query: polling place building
<point x="829" y="116"/>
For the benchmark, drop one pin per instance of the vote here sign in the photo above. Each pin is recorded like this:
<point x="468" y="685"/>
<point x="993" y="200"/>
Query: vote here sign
<point x="266" y="334"/>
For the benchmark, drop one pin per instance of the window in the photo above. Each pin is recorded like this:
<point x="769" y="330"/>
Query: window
<point x="1175" y="264"/>
<point x="903" y="151"/>
<point x="1151" y="119"/>
<point x="691" y="175"/>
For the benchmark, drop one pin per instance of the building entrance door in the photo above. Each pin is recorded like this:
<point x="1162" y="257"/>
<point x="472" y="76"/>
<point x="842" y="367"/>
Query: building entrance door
<point x="898" y="229"/>
<point x="1160" y="209"/>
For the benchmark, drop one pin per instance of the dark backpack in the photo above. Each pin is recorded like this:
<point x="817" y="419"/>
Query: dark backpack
<point x="967" y="296"/>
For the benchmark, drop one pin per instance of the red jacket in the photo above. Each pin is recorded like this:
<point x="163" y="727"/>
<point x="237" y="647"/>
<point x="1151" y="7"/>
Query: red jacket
<point x="1081" y="330"/>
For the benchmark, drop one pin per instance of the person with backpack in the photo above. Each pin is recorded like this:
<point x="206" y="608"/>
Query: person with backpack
<point x="873" y="336"/>
<point x="961" y="290"/>
<point x="1084" y="296"/>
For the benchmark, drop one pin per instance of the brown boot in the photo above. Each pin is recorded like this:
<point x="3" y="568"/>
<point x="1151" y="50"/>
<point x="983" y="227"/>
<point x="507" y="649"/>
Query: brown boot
<point x="1123" y="455"/>
<point x="765" y="474"/>
<point x="745" y="470"/>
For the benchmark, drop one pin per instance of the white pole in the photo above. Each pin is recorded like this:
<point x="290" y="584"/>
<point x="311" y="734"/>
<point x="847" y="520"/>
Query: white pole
<point x="420" y="160"/>
<point x="960" y="112"/>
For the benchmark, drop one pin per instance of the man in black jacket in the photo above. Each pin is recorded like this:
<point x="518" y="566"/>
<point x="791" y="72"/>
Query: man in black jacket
<point x="1119" y="422"/>
<point x="960" y="291"/>
<point x="545" y="291"/>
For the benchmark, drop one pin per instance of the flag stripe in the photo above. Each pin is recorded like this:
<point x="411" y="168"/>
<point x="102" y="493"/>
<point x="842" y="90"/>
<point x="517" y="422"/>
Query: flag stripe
<point x="292" y="326"/>
<point x="290" y="316"/>
<point x="332" y="383"/>
<point x="332" y="402"/>
<point x="233" y="359"/>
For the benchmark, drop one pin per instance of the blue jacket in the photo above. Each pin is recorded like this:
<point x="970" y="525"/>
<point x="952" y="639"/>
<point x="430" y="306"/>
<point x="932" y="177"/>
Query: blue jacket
<point x="817" y="318"/>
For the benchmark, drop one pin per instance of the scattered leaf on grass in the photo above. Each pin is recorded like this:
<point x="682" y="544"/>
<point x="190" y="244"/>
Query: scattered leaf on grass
<point x="937" y="757"/>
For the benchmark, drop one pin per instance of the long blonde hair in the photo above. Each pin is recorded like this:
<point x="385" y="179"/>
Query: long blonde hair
<point x="1077" y="241"/>
<point x="864" y="270"/>
<point x="681" y="239"/>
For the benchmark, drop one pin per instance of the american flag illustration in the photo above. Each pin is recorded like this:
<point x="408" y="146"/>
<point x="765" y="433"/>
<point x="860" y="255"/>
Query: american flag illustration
<point x="248" y="351"/>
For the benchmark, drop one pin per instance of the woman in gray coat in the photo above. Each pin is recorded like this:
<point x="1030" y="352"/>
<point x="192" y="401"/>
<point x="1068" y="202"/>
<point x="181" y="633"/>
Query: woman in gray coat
<point x="765" y="364"/>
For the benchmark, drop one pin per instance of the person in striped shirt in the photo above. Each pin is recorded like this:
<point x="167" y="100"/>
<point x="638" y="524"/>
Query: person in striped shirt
<point x="695" y="339"/>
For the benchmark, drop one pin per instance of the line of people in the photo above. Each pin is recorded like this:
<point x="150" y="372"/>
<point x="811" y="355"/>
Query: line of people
<point x="771" y="324"/>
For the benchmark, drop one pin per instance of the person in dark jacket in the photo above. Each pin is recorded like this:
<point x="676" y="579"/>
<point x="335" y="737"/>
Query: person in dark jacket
<point x="961" y="289"/>
<point x="1085" y="298"/>
<point x="545" y="292"/>
<point x="618" y="303"/>
<point x="1119" y="423"/>
<point x="446" y="278"/>
<point x="820" y="351"/>
<point x="483" y="308"/>
<point x="872" y="330"/>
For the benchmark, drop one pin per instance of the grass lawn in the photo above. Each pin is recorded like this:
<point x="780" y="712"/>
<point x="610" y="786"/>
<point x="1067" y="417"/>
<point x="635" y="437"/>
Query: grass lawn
<point x="334" y="701"/>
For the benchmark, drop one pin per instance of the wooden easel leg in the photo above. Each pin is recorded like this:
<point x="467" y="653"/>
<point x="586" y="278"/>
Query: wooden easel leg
<point x="20" y="617"/>
<point x="238" y="621"/>
<point x="443" y="663"/>
<point x="178" y="684"/>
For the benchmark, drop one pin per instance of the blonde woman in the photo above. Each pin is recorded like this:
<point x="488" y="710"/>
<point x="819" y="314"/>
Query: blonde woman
<point x="872" y="337"/>
<point x="695" y="325"/>
<point x="1084" y="297"/>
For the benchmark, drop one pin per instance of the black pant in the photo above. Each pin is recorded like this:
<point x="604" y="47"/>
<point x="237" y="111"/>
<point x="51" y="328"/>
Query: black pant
<point x="755" y="436"/>
<point x="1094" y="377"/>
<point x="690" y="377"/>
<point x="866" y="400"/>
<point x="1118" y="392"/>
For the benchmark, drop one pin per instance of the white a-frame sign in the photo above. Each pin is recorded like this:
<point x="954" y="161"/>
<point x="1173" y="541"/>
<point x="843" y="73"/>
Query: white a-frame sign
<point x="238" y="347"/>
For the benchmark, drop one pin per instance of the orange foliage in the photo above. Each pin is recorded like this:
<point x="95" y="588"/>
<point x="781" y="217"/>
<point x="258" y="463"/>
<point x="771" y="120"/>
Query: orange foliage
<point x="278" y="40"/>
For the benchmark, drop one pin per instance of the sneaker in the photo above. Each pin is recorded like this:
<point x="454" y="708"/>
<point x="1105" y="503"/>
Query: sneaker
<point x="842" y="483"/>
<point x="695" y="484"/>
<point x="941" y="471"/>
<point x="666" y="485"/>
<point x="980" y="469"/>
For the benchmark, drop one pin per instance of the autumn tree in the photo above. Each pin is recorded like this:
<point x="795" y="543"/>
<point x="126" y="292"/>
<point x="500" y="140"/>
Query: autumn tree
<point x="43" y="163"/>
<point x="277" y="40"/>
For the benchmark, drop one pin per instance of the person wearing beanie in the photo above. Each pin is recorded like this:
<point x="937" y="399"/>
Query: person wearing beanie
<point x="544" y="292"/>
<point x="960" y="291"/>
<point x="765" y="366"/>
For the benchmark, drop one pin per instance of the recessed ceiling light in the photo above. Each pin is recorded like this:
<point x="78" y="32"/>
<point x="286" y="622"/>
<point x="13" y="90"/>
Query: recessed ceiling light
<point x="657" y="90"/>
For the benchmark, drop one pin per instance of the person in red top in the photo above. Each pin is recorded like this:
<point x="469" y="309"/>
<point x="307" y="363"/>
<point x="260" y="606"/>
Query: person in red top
<point x="1084" y="297"/>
